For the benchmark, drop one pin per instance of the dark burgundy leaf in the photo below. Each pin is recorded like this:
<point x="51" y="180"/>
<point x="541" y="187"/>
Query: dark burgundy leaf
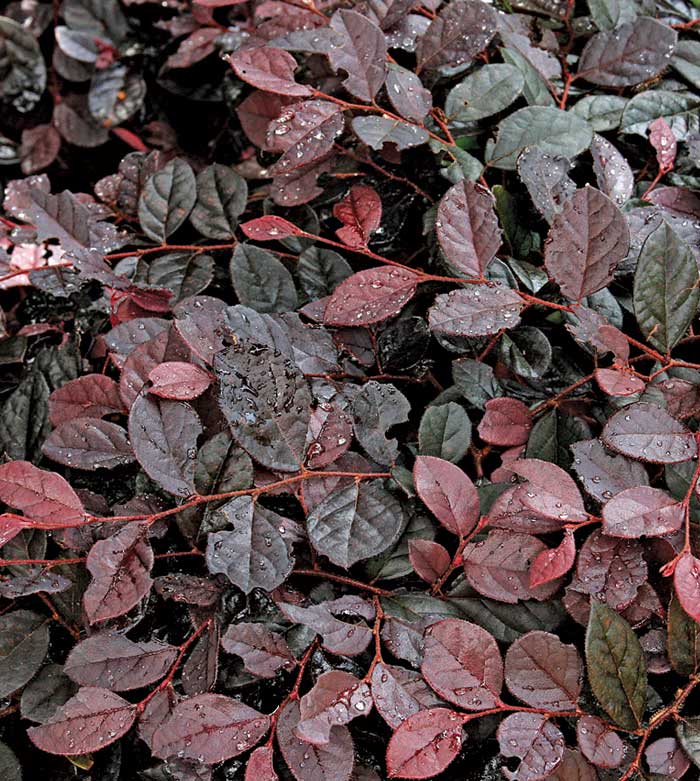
<point x="370" y="296"/>
<point x="384" y="133"/>
<point x="89" y="721"/>
<point x="407" y="94"/>
<point x="574" y="767"/>
<point x="467" y="228"/>
<point x="683" y="641"/>
<point x="552" y="563"/>
<point x="361" y="214"/>
<point x="550" y="490"/>
<point x="604" y="475"/>
<point x="24" y="641"/>
<point x="543" y="672"/>
<point x="425" y="744"/>
<point x="270" y="228"/>
<point x="361" y="53"/>
<point x="42" y="496"/>
<point x="509" y="512"/>
<point x="89" y="444"/>
<point x="39" y="148"/>
<point x="686" y="580"/>
<point x="120" y="567"/>
<point x="255" y="114"/>
<point x="429" y="559"/>
<point x="399" y="693"/>
<point x="663" y="140"/>
<point x="613" y="173"/>
<point x="375" y="410"/>
<point x="264" y="652"/>
<point x="89" y="396"/>
<point x="448" y="493"/>
<point x="189" y="589"/>
<point x="209" y="728"/>
<point x="642" y="512"/>
<point x="666" y="759"/>
<point x="330" y="435"/>
<point x="177" y="380"/>
<point x="339" y="637"/>
<point x="259" y="766"/>
<point x="598" y="743"/>
<point x="271" y="70"/>
<point x="506" y="422"/>
<point x="615" y="382"/>
<point x="463" y="664"/>
<point x="478" y="310"/>
<point x="535" y="740"/>
<point x="200" y="671"/>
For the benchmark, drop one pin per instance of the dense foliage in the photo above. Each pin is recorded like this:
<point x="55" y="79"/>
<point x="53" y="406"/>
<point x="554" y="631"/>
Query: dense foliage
<point x="351" y="396"/>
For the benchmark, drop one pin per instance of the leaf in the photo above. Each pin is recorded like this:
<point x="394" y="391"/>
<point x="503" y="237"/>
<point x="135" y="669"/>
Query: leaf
<point x="361" y="53"/>
<point x="178" y="380"/>
<point x="666" y="759"/>
<point x="612" y="171"/>
<point x="254" y="554"/>
<point x="370" y="296"/>
<point x="598" y="743"/>
<point x="360" y="211"/>
<point x="642" y="511"/>
<point x="266" y="402"/>
<point x="506" y="422"/>
<point x="164" y="435"/>
<point x="24" y="641"/>
<point x="604" y="475"/>
<point x="552" y="563"/>
<point x="407" y="94"/>
<point x="209" y="728"/>
<point x="339" y="637"/>
<point x="200" y="671"/>
<point x="89" y="444"/>
<point x="677" y="108"/>
<point x="120" y="567"/>
<point x="89" y="396"/>
<point x="378" y="131"/>
<point x="616" y="666"/>
<point x="587" y="240"/>
<point x="190" y="589"/>
<point x="478" y="310"/>
<point x="336" y="699"/>
<point x="261" y="281"/>
<point x="463" y="664"/>
<point x="456" y="35"/>
<point x="666" y="288"/>
<point x="305" y="132"/>
<point x="647" y="432"/>
<point x="88" y="722"/>
<point x="9" y="764"/>
<point x="116" y="94"/>
<point x="498" y="567"/>
<point x="615" y="382"/>
<point x="632" y="53"/>
<point x="688" y="732"/>
<point x="535" y="740"/>
<point x="553" y="131"/>
<point x="259" y="766"/>
<point x="320" y="271"/>
<point x="270" y="228"/>
<point x="686" y="581"/>
<point x="429" y="559"/>
<point x="486" y="91"/>
<point x="543" y="672"/>
<point x="331" y="762"/>
<point x="377" y="408"/>
<point x="46" y="692"/>
<point x="683" y="641"/>
<point x="268" y="69"/>
<point x="42" y="496"/>
<point x="39" y="148"/>
<point x="356" y="522"/>
<point x="117" y="663"/>
<point x="399" y="693"/>
<point x="448" y="493"/>
<point x="445" y="432"/>
<point x="166" y="200"/>
<point x="549" y="490"/>
<point x="467" y="228"/>
<point x="264" y="653"/>
<point x="425" y="744"/>
<point x="221" y="199"/>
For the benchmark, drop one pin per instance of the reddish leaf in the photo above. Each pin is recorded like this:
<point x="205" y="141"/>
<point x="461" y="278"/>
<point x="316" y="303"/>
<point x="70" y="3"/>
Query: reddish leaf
<point x="189" y="589"/>
<point x="361" y="214"/>
<point x="196" y="47"/>
<point x="42" y="496"/>
<point x="10" y="527"/>
<point x="543" y="672"/>
<point x="330" y="435"/>
<point x="467" y="228"/>
<point x="259" y="766"/>
<point x="209" y="728"/>
<point x="535" y="740"/>
<point x="360" y="52"/>
<point x="549" y="490"/>
<point x="120" y="567"/>
<point x="587" y="240"/>
<point x="478" y="310"/>
<point x="117" y="663"/>
<point x="88" y="722"/>
<point x="663" y="140"/>
<point x="407" y="94"/>
<point x="552" y="563"/>
<point x="425" y="744"/>
<point x="155" y="712"/>
<point x="271" y="70"/>
<point x="618" y="383"/>
<point x="429" y="559"/>
<point x="666" y="758"/>
<point x="506" y="422"/>
<point x="642" y="512"/>
<point x="499" y="567"/>
<point x="463" y="664"/>
<point x="200" y="671"/>
<point x="336" y="699"/>
<point x="90" y="396"/>
<point x="178" y="380"/>
<point x="448" y="493"/>
<point x="686" y="580"/>
<point x="255" y="114"/>
<point x="270" y="228"/>
<point x="331" y="762"/>
<point x="89" y="444"/>
<point x="599" y="744"/>
<point x="573" y="767"/>
<point x="371" y="296"/>
<point x="509" y="512"/>
<point x="399" y="693"/>
<point x="264" y="652"/>
<point x="39" y="148"/>
<point x="604" y="475"/>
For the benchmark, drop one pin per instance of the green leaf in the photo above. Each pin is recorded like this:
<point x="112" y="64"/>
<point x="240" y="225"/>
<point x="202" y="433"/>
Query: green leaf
<point x="602" y="112"/>
<point x="484" y="92"/>
<point x="683" y="642"/>
<point x="221" y="198"/>
<point x="261" y="281"/>
<point x="24" y="421"/>
<point x="185" y="273"/>
<point x="666" y="292"/>
<point x="608" y="14"/>
<point x="688" y="731"/>
<point x="554" y="131"/>
<point x="10" y="769"/>
<point x="527" y="352"/>
<point x="679" y="109"/>
<point x="167" y="198"/>
<point x="616" y="666"/>
<point x="321" y="271"/>
<point x="445" y="432"/>
<point x="24" y="641"/>
<point x="535" y="90"/>
<point x="23" y="69"/>
<point x="476" y="381"/>
<point x="552" y="435"/>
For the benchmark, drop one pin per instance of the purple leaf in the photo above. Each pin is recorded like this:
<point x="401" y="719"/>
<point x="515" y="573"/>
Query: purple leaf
<point x="535" y="740"/>
<point x="598" y="743"/>
<point x="87" y="443"/>
<point x="271" y="70"/>
<point x="264" y="652"/>
<point x="686" y="581"/>
<point x="336" y="699"/>
<point x="399" y="693"/>
<point x="89" y="396"/>
<point x="612" y="171"/>
<point x="448" y="493"/>
<point x="666" y="758"/>
<point x="549" y="490"/>
<point x="478" y="310"/>
<point x="429" y="559"/>
<point x="506" y="422"/>
<point x="642" y="512"/>
<point x="604" y="475"/>
<point x="339" y="637"/>
<point x="425" y="744"/>
<point x="361" y="53"/>
<point x="407" y="94"/>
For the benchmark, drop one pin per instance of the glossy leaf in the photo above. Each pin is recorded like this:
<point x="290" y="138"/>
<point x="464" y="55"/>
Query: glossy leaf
<point x="361" y="214"/>
<point x="264" y="652"/>
<point x="425" y="744"/>
<point x="478" y="310"/>
<point x="268" y="69"/>
<point x="535" y="740"/>
<point x="448" y="493"/>
<point x="336" y="699"/>
<point x="167" y="199"/>
<point x="361" y="53"/>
